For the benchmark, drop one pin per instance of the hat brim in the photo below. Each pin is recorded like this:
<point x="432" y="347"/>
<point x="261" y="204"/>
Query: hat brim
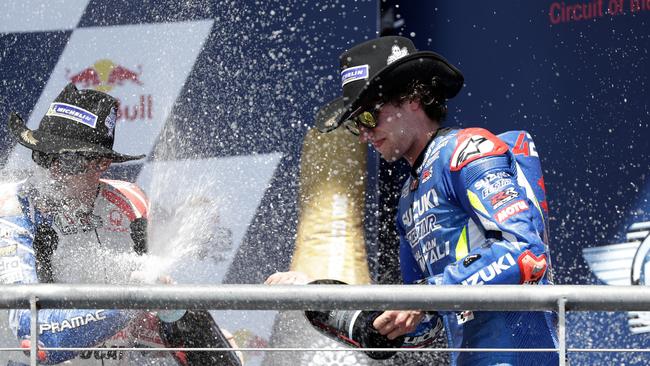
<point x="422" y="65"/>
<point x="51" y="144"/>
<point x="327" y="117"/>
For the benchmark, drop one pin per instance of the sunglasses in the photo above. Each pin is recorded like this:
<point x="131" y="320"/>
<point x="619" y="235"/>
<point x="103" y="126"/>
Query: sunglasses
<point x="76" y="163"/>
<point x="366" y="118"/>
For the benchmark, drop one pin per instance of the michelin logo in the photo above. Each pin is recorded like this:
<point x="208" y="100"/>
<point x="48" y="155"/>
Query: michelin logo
<point x="396" y="54"/>
<point x="72" y="113"/>
<point x="625" y="264"/>
<point x="354" y="73"/>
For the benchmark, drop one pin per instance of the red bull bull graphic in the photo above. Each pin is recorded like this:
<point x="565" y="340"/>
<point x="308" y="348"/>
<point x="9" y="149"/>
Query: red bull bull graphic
<point x="120" y="74"/>
<point x="104" y="75"/>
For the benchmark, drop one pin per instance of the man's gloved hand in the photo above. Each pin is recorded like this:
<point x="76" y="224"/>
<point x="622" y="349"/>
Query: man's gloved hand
<point x="395" y="323"/>
<point x="352" y="327"/>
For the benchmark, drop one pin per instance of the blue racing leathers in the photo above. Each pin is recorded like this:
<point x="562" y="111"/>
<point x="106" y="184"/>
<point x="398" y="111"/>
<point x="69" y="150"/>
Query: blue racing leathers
<point x="474" y="212"/>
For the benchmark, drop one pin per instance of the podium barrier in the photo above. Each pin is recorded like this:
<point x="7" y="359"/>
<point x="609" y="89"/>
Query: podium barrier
<point x="560" y="298"/>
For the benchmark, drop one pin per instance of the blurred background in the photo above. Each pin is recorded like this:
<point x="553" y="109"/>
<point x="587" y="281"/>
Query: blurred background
<point x="221" y="96"/>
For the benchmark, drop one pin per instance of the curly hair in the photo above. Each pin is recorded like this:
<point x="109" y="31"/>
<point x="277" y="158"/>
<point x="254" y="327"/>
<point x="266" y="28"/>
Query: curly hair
<point x="430" y="96"/>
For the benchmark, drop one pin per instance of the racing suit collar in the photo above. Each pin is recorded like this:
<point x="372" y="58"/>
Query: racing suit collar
<point x="418" y="161"/>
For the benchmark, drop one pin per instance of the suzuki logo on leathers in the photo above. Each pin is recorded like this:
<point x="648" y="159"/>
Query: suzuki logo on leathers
<point x="427" y="202"/>
<point x="490" y="271"/>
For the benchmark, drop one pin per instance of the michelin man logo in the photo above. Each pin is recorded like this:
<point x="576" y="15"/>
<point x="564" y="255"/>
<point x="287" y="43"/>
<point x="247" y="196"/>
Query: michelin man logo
<point x="396" y="54"/>
<point x="625" y="264"/>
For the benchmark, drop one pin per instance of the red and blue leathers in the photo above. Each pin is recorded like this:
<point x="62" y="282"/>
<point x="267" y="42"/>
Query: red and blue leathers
<point x="39" y="243"/>
<point x="474" y="212"/>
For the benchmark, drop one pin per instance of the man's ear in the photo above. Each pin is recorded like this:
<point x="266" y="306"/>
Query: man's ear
<point x="104" y="163"/>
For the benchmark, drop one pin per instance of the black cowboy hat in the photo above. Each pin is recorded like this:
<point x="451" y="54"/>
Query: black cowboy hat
<point x="81" y="121"/>
<point x="380" y="64"/>
<point x="327" y="117"/>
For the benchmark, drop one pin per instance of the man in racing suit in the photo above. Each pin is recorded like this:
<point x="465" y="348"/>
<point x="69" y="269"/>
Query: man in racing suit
<point x="472" y="212"/>
<point x="64" y="224"/>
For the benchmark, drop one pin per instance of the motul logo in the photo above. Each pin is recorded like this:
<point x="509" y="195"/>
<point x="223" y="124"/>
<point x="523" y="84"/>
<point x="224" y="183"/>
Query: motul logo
<point x="492" y="270"/>
<point x="511" y="210"/>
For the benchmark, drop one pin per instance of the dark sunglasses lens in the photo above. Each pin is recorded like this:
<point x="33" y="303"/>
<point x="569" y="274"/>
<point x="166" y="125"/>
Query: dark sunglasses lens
<point x="42" y="159"/>
<point x="74" y="163"/>
<point x="367" y="119"/>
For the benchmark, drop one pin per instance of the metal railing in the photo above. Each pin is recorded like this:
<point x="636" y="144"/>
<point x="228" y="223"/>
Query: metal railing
<point x="560" y="298"/>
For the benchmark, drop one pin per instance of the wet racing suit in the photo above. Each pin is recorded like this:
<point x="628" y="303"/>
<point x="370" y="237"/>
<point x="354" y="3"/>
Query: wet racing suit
<point x="100" y="246"/>
<point x="474" y="212"/>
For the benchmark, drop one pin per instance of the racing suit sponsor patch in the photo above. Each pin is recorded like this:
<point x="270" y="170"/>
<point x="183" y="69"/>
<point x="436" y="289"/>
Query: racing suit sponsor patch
<point x="532" y="268"/>
<point x="511" y="210"/>
<point x="496" y="186"/>
<point x="464" y="316"/>
<point x="501" y="198"/>
<point x="475" y="143"/>
<point x="74" y="322"/>
<point x="103" y="355"/>
<point x="489" y="179"/>
<point x="10" y="270"/>
<point x="74" y="223"/>
<point x="422" y="228"/>
<point x="489" y="272"/>
<point x="471" y="259"/>
<point x="427" y="201"/>
<point x="424" y="337"/>
<point x="426" y="175"/>
<point x="8" y="250"/>
<point x="431" y="252"/>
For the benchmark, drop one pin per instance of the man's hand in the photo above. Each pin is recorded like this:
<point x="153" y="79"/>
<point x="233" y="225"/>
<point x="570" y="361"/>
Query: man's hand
<point x="288" y="278"/>
<point x="394" y="323"/>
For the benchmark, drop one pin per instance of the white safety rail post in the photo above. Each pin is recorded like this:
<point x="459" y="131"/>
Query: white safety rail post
<point x="33" y="336"/>
<point x="560" y="298"/>
<point x="561" y="304"/>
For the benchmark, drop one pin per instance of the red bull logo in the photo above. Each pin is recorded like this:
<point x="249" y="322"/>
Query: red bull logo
<point x="104" y="75"/>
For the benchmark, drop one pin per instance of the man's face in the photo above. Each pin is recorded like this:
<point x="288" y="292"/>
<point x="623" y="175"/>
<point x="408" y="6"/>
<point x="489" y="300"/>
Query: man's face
<point x="77" y="172"/>
<point x="392" y="137"/>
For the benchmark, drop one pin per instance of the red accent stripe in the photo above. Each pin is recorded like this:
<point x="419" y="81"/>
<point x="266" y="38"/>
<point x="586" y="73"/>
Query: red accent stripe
<point x="120" y="202"/>
<point x="544" y="205"/>
<point x="133" y="194"/>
